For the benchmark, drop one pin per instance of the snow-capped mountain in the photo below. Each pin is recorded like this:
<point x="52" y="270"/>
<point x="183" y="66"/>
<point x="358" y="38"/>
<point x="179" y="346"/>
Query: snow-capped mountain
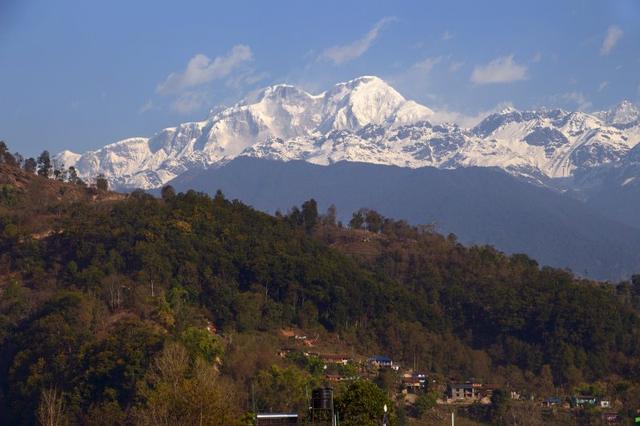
<point x="624" y="115"/>
<point x="366" y="120"/>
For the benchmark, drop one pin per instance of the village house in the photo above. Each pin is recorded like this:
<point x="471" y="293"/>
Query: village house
<point x="334" y="358"/>
<point x="464" y="391"/>
<point x="380" y="361"/>
<point x="579" y="401"/>
<point x="551" y="402"/>
<point x="411" y="384"/>
<point x="338" y="378"/>
<point x="414" y="382"/>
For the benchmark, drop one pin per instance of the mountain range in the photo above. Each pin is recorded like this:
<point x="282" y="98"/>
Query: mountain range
<point x="591" y="158"/>
<point x="366" y="120"/>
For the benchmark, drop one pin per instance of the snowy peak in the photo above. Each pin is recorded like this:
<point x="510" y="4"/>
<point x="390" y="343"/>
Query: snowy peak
<point x="277" y="113"/>
<point x="362" y="101"/>
<point x="67" y="159"/>
<point x="625" y="114"/>
<point x="367" y="120"/>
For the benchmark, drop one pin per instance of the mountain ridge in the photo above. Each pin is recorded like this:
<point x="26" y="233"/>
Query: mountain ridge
<point x="367" y="120"/>
<point x="480" y="205"/>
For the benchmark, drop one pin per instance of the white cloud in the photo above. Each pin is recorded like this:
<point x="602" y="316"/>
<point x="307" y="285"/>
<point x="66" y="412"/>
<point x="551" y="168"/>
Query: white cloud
<point x="500" y="70"/>
<point x="148" y="106"/>
<point x="348" y="52"/>
<point x="603" y="86"/>
<point x="188" y="102"/>
<point x="416" y="78"/>
<point x="536" y="58"/>
<point x="463" y="120"/>
<point x="447" y="36"/>
<point x="578" y="99"/>
<point x="614" y="34"/>
<point x="427" y="65"/>
<point x="201" y="70"/>
<point x="248" y="78"/>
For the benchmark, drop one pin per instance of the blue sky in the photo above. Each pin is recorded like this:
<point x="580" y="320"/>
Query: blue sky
<point x="80" y="74"/>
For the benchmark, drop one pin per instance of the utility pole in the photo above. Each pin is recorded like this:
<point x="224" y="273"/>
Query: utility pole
<point x="453" y="419"/>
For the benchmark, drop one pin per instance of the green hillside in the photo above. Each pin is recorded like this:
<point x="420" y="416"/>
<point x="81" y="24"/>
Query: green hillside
<point x="138" y="310"/>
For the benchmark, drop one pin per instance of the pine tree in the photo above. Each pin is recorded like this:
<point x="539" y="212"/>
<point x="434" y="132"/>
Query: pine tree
<point x="44" y="164"/>
<point x="30" y="165"/>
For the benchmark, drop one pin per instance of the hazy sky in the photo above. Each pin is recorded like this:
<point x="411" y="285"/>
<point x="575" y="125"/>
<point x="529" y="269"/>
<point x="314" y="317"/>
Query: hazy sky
<point x="80" y="74"/>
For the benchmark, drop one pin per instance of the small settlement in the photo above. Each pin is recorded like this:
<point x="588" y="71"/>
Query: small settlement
<point x="410" y="383"/>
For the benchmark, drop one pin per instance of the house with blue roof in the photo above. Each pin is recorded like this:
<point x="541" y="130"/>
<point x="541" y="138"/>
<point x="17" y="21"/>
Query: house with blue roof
<point x="381" y="361"/>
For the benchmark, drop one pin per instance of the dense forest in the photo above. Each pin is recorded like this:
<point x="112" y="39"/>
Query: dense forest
<point x="131" y="309"/>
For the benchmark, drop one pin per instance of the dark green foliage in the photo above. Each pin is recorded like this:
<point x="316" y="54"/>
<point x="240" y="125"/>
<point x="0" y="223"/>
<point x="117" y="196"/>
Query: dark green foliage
<point x="282" y="389"/>
<point x="6" y="157"/>
<point x="357" y="220"/>
<point x="30" y="165"/>
<point x="362" y="404"/>
<point x="9" y="195"/>
<point x="202" y="343"/>
<point x="424" y="403"/>
<point x="72" y="175"/>
<point x="309" y="214"/>
<point x="499" y="406"/>
<point x="88" y="308"/>
<point x="44" y="164"/>
<point x="167" y="193"/>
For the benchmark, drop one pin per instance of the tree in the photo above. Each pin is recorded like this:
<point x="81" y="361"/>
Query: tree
<point x="102" y="183"/>
<point x="3" y="150"/>
<point x="425" y="403"/>
<point x="179" y="392"/>
<point x="51" y="408"/>
<point x="5" y="155"/>
<point x="44" y="164"/>
<point x="386" y="380"/>
<point x="72" y="174"/>
<point x="374" y="221"/>
<point x="357" y="220"/>
<point x="331" y="216"/>
<point x="168" y="192"/>
<point x="282" y="389"/>
<point x="362" y="404"/>
<point x="202" y="343"/>
<point x="30" y="165"/>
<point x="310" y="214"/>
<point x="19" y="159"/>
<point x="499" y="406"/>
<point x="59" y="172"/>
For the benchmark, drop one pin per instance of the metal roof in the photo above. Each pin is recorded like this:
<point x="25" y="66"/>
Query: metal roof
<point x="276" y="416"/>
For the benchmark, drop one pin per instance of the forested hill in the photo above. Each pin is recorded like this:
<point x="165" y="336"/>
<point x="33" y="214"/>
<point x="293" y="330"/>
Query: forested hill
<point x="122" y="300"/>
<point x="480" y="205"/>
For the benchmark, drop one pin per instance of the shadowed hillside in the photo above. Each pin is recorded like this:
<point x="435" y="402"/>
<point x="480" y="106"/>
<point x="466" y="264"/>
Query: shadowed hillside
<point x="479" y="205"/>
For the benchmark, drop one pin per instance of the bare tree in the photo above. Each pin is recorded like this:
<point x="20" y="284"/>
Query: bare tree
<point x="51" y="408"/>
